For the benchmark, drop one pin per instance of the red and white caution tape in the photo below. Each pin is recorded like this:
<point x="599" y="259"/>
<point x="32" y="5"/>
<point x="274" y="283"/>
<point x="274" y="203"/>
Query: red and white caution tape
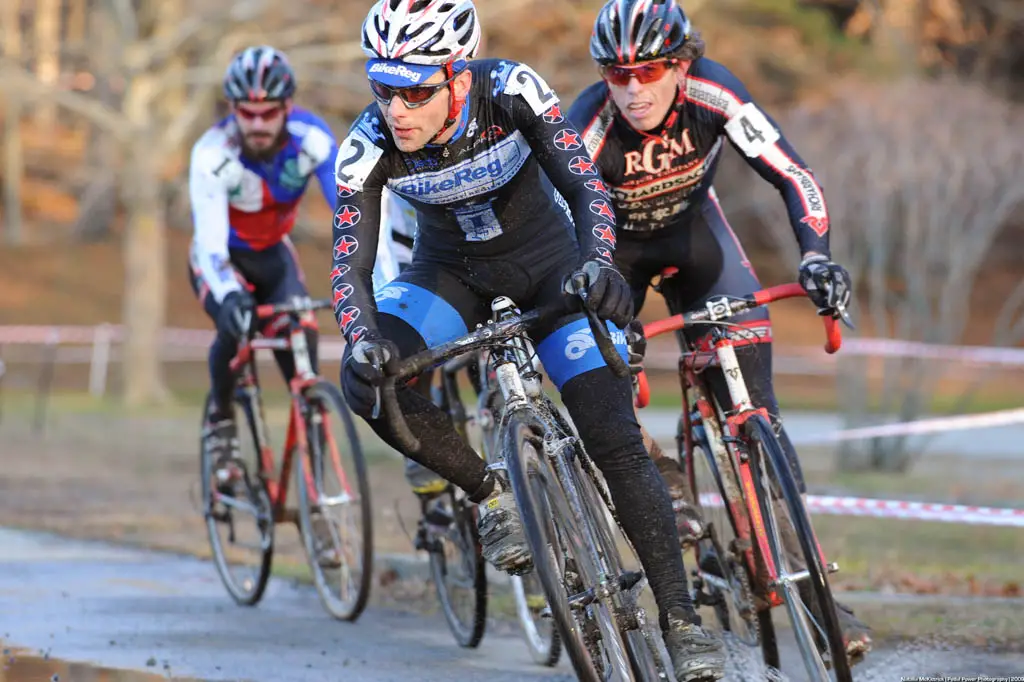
<point x="923" y="511"/>
<point x="933" y="425"/>
<point x="898" y="509"/>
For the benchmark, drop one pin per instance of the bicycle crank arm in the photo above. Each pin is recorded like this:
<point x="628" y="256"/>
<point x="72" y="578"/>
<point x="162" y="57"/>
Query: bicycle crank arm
<point x="832" y="567"/>
<point x="716" y="582"/>
<point x="629" y="580"/>
<point x="626" y="582"/>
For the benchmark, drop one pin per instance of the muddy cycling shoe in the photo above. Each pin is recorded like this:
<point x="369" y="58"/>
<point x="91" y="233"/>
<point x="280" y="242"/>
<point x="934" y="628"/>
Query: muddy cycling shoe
<point x="422" y="480"/>
<point x="501" y="533"/>
<point x="689" y="522"/>
<point x="220" y="440"/>
<point x="325" y="552"/>
<point x="856" y="634"/>
<point x="697" y="656"/>
<point x="436" y="520"/>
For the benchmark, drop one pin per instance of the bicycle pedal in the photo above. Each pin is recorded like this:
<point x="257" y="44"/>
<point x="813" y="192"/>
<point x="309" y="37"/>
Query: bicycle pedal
<point x="223" y="516"/>
<point x="430" y="545"/>
<point x="497" y="466"/>
<point x="629" y="579"/>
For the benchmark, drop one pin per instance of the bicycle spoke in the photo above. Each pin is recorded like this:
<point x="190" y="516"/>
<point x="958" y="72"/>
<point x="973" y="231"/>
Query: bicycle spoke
<point x="334" y="506"/>
<point x="239" y="525"/>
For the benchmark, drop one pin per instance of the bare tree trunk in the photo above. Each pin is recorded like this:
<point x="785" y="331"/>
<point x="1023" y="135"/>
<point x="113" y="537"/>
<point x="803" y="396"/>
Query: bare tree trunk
<point x="897" y="34"/>
<point x="77" y="21"/>
<point x="14" y="167"/>
<point x="145" y="285"/>
<point x="145" y="255"/>
<point x="47" y="54"/>
<point x="13" y="160"/>
<point x="97" y="208"/>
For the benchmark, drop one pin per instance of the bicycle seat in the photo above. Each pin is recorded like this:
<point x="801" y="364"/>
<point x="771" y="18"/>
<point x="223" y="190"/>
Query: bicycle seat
<point x="665" y="274"/>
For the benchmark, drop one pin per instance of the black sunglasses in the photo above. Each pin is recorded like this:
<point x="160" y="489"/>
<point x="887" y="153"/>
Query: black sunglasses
<point x="413" y="96"/>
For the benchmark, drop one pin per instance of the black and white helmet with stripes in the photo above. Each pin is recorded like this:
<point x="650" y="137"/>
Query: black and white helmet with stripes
<point x="259" y="74"/>
<point x="631" y="31"/>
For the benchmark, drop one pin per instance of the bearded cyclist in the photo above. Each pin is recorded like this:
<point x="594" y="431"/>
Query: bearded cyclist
<point x="464" y="142"/>
<point x="655" y="126"/>
<point x="246" y="177"/>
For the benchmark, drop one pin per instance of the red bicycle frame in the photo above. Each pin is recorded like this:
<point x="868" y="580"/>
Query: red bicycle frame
<point x="295" y="440"/>
<point x="743" y="506"/>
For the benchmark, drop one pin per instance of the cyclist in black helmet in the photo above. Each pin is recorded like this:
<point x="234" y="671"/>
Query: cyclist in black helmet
<point x="656" y="125"/>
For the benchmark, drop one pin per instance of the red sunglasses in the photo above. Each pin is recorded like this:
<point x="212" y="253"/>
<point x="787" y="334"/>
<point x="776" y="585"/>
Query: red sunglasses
<point x="647" y="72"/>
<point x="412" y="96"/>
<point x="268" y="115"/>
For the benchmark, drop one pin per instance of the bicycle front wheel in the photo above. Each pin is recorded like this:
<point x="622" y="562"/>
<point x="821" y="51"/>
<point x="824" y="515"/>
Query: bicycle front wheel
<point x="722" y="578"/>
<point x="335" y="515"/>
<point x="238" y="515"/>
<point x="811" y="611"/>
<point x="534" y="484"/>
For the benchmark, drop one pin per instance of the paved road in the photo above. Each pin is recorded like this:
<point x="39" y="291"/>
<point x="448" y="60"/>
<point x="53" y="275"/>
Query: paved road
<point x="122" y="607"/>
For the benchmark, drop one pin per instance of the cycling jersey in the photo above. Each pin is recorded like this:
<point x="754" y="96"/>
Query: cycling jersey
<point x="661" y="178"/>
<point x="478" y="195"/>
<point x="394" y="247"/>
<point x="244" y="204"/>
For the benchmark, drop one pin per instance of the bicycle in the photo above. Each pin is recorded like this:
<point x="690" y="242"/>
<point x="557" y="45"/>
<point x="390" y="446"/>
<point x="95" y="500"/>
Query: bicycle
<point x="563" y="502"/>
<point x="461" y="538"/>
<point x="743" y="569"/>
<point x="339" y="555"/>
<point x="448" y="531"/>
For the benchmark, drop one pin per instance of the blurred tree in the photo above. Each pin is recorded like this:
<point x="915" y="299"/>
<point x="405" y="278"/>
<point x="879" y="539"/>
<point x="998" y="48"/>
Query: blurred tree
<point x="97" y="205"/>
<point x="920" y="177"/>
<point x="46" y="53"/>
<point x="151" y="105"/>
<point x="14" y="164"/>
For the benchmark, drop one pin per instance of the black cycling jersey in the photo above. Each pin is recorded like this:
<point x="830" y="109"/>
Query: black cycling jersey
<point x="476" y="196"/>
<point x="661" y="178"/>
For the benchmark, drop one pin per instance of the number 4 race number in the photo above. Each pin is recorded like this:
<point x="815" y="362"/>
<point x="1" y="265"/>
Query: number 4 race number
<point x="751" y="131"/>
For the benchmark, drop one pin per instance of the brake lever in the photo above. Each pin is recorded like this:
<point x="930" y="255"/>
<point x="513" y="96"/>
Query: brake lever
<point x="579" y="283"/>
<point x="375" y="360"/>
<point x="840" y="308"/>
<point x="844" y="315"/>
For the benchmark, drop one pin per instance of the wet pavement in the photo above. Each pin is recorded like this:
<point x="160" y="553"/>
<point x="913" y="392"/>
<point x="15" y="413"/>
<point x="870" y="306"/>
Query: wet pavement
<point x="169" y="617"/>
<point x="25" y="666"/>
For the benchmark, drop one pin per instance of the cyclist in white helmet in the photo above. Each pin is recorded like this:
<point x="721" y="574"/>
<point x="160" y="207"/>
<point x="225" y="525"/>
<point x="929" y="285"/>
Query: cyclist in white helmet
<point x="466" y="143"/>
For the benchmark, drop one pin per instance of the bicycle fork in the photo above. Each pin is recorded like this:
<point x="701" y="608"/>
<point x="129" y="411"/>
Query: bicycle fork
<point x="742" y="410"/>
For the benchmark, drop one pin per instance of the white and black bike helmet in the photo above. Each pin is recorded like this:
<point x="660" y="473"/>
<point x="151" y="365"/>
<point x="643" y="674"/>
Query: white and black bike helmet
<point x="429" y="32"/>
<point x="259" y="74"/>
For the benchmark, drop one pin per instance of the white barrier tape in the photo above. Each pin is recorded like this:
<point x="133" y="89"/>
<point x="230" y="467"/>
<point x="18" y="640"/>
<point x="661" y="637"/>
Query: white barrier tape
<point x="41" y="334"/>
<point x="934" y="425"/>
<point x="897" y="509"/>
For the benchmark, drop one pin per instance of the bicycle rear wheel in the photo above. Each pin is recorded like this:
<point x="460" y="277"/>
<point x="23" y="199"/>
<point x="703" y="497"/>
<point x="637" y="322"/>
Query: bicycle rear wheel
<point x="238" y="515"/>
<point x="458" y="568"/>
<point x="540" y="633"/>
<point x="533" y="485"/>
<point x="335" y="515"/>
<point x="815" y="624"/>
